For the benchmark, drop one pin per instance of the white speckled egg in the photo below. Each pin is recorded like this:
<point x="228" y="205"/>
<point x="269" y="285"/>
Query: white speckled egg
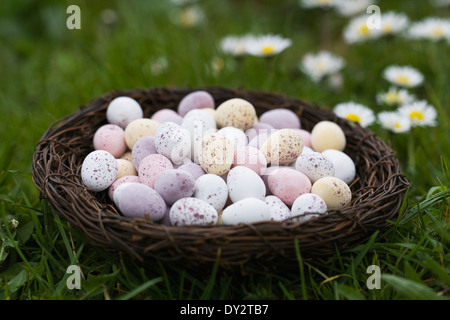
<point x="247" y="210"/>
<point x="243" y="183"/>
<point x="173" y="142"/>
<point x="122" y="110"/>
<point x="279" y="211"/>
<point x="235" y="112"/>
<point x="327" y="135"/>
<point x="237" y="136"/>
<point x="314" y="165"/>
<point x="335" y="192"/>
<point x="216" y="154"/>
<point x="344" y="167"/>
<point x="192" y="211"/>
<point x="99" y="170"/>
<point x="308" y="205"/>
<point x="282" y="147"/>
<point x="212" y="189"/>
<point x="139" y="128"/>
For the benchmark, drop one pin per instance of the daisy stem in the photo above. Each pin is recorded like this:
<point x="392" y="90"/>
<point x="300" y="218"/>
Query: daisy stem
<point x="411" y="153"/>
<point x="324" y="30"/>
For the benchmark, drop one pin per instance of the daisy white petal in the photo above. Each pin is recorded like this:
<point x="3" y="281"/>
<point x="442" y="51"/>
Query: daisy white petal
<point x="317" y="3"/>
<point x="395" y="97"/>
<point x="420" y="113"/>
<point x="267" y="45"/>
<point x="355" y="112"/>
<point x="404" y="76"/>
<point x="348" y="8"/>
<point x="357" y="30"/>
<point x="431" y="28"/>
<point x="235" y="45"/>
<point x="394" y="121"/>
<point x="321" y="64"/>
<point x="393" y="22"/>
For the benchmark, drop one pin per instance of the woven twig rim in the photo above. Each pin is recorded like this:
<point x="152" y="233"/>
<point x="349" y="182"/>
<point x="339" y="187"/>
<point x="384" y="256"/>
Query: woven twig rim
<point x="378" y="193"/>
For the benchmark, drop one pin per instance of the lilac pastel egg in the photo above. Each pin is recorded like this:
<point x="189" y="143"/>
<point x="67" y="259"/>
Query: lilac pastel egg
<point x="174" y="184"/>
<point x="195" y="100"/>
<point x="151" y="167"/>
<point x="258" y="128"/>
<point x="142" y="148"/>
<point x="111" y="138"/>
<point x="281" y="118"/>
<point x="195" y="169"/>
<point x="192" y="211"/>
<point x="260" y="138"/>
<point x="139" y="200"/>
<point x="120" y="181"/>
<point x="122" y="110"/>
<point x="99" y="170"/>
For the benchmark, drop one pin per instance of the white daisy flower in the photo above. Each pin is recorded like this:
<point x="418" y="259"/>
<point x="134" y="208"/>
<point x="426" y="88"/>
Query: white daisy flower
<point x="355" y="112"/>
<point x="395" y="97"/>
<point x="394" y="121"/>
<point x="434" y="29"/>
<point x="317" y="3"/>
<point x="404" y="76"/>
<point x="235" y="45"/>
<point x="348" y="8"/>
<point x="189" y="16"/>
<point x="393" y="22"/>
<point x="357" y="30"/>
<point x="321" y="64"/>
<point x="267" y="45"/>
<point x="420" y="113"/>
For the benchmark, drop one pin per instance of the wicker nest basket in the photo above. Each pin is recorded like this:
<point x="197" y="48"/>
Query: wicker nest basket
<point x="378" y="192"/>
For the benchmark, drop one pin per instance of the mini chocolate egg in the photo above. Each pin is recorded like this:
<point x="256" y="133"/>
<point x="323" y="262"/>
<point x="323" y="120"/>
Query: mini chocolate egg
<point x="192" y="211"/>
<point x="235" y="112"/>
<point x="138" y="200"/>
<point x="237" y="136"/>
<point x="151" y="167"/>
<point x="99" y="170"/>
<point x="139" y="128"/>
<point x="247" y="210"/>
<point x="306" y="136"/>
<point x="251" y="158"/>
<point x="198" y="99"/>
<point x="120" y="181"/>
<point x="281" y="118"/>
<point x="335" y="192"/>
<point x="126" y="168"/>
<point x="195" y="169"/>
<point x="127" y="156"/>
<point x="216" y="154"/>
<point x="122" y="110"/>
<point x="212" y="189"/>
<point x="314" y="165"/>
<point x="279" y="211"/>
<point x="306" y="206"/>
<point x="327" y="135"/>
<point x="288" y="184"/>
<point x="110" y="137"/>
<point x="162" y="113"/>
<point x="244" y="183"/>
<point x="173" y="141"/>
<point x="174" y="184"/>
<point x="142" y="148"/>
<point x="344" y="167"/>
<point x="258" y="140"/>
<point x="257" y="128"/>
<point x="282" y="147"/>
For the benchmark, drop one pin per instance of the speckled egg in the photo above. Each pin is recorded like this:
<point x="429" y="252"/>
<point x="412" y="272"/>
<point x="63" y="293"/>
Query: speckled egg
<point x="174" y="184"/>
<point x="281" y="118"/>
<point x="335" y="192"/>
<point x="99" y="170"/>
<point x="235" y="112"/>
<point x="258" y="140"/>
<point x="195" y="169"/>
<point x="288" y="184"/>
<point x="314" y="165"/>
<point x="279" y="211"/>
<point x="126" y="168"/>
<point x="122" y="110"/>
<point x="198" y="99"/>
<point x="308" y="205"/>
<point x="345" y="168"/>
<point x="251" y="158"/>
<point x="111" y="138"/>
<point x="139" y="128"/>
<point x="142" y="148"/>
<point x="138" y="200"/>
<point x="216" y="154"/>
<point x="247" y="210"/>
<point x="212" y="189"/>
<point x="192" y="211"/>
<point x="173" y="141"/>
<point x="282" y="147"/>
<point x="237" y="136"/>
<point x="120" y="181"/>
<point x="327" y="135"/>
<point x="244" y="183"/>
<point x="151" y="167"/>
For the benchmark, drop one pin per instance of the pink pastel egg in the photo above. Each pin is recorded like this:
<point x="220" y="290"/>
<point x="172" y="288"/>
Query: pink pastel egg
<point x="306" y="136"/>
<point x="195" y="100"/>
<point x="111" y="138"/>
<point x="251" y="158"/>
<point x="151" y="167"/>
<point x="162" y="113"/>
<point x="120" y="181"/>
<point x="142" y="148"/>
<point x="281" y="118"/>
<point x="288" y="184"/>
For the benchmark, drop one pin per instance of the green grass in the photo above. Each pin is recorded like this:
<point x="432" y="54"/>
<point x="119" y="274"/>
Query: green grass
<point x="48" y="71"/>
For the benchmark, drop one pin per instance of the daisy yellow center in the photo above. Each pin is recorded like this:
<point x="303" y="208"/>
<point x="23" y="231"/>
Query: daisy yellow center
<point x="438" y="32"/>
<point x="321" y="67"/>
<point x="393" y="97"/>
<point x="402" y="79"/>
<point x="353" y="117"/>
<point x="364" y="30"/>
<point x="416" y="115"/>
<point x="268" y="49"/>
<point x="387" y="28"/>
<point x="397" y="125"/>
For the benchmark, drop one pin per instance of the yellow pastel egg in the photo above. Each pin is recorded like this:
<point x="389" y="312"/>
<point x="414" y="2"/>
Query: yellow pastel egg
<point x="327" y="135"/>
<point x="235" y="112"/>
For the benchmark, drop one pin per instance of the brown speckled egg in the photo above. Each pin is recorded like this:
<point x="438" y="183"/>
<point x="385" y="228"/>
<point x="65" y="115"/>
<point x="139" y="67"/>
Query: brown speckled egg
<point x="235" y="112"/>
<point x="282" y="147"/>
<point x="335" y="192"/>
<point x="216" y="154"/>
